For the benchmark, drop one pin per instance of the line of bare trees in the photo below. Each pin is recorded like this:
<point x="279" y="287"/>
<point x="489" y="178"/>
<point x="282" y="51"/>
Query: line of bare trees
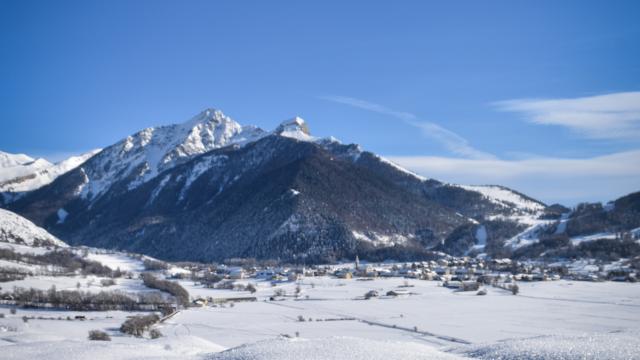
<point x="173" y="288"/>
<point x="84" y="301"/>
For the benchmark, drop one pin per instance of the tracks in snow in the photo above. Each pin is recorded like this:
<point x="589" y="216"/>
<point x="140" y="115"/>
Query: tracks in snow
<point x="446" y="338"/>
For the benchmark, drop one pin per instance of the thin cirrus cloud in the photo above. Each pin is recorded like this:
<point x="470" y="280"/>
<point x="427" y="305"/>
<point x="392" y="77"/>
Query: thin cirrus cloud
<point x="616" y="164"/>
<point x="551" y="179"/>
<point x="613" y="116"/>
<point x="453" y="142"/>
<point x="366" y="105"/>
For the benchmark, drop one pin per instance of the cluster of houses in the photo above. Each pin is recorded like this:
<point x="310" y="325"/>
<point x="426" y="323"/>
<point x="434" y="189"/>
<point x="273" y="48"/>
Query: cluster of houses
<point x="459" y="272"/>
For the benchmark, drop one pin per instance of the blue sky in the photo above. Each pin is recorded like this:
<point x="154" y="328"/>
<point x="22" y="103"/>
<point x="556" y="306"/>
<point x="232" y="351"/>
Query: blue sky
<point x="541" y="96"/>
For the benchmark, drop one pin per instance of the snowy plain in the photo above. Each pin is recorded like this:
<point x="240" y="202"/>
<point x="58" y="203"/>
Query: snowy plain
<point x="547" y="319"/>
<point x="329" y="318"/>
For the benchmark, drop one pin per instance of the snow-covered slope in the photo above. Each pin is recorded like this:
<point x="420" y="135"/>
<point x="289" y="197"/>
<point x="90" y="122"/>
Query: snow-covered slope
<point x="514" y="205"/>
<point x="530" y="235"/>
<point x="400" y="168"/>
<point x="620" y="344"/>
<point x="34" y="174"/>
<point x="17" y="230"/>
<point x="507" y="198"/>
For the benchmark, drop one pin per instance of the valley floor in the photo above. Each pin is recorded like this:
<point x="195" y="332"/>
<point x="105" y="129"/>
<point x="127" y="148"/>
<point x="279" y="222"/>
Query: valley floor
<point x="330" y="319"/>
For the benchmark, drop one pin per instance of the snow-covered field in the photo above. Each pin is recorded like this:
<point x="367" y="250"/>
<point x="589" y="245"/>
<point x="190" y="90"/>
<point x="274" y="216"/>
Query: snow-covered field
<point x="547" y="320"/>
<point x="116" y="261"/>
<point x="332" y="348"/>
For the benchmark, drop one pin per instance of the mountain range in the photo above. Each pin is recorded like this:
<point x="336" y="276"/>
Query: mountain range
<point x="210" y="189"/>
<point x="21" y="173"/>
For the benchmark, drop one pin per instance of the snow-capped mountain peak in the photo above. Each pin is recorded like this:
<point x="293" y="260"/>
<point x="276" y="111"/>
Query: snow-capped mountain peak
<point x="10" y="160"/>
<point x="24" y="174"/>
<point x="298" y="121"/>
<point x="206" y="115"/>
<point x="208" y="130"/>
<point x="143" y="155"/>
<point x="19" y="165"/>
<point x="295" y="128"/>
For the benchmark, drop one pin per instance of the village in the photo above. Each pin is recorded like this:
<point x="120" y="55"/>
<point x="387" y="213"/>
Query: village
<point x="456" y="273"/>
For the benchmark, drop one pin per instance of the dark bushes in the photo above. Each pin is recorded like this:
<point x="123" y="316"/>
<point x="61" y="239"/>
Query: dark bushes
<point x="251" y="288"/>
<point x="153" y="265"/>
<point x="155" y="333"/>
<point x="99" y="335"/>
<point x="137" y="325"/>
<point x="107" y="282"/>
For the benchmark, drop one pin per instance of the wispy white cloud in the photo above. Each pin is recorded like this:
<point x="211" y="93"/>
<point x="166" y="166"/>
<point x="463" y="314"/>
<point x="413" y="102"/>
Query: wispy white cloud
<point x="450" y="140"/>
<point x="613" y="116"/>
<point x="548" y="178"/>
<point x="366" y="105"/>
